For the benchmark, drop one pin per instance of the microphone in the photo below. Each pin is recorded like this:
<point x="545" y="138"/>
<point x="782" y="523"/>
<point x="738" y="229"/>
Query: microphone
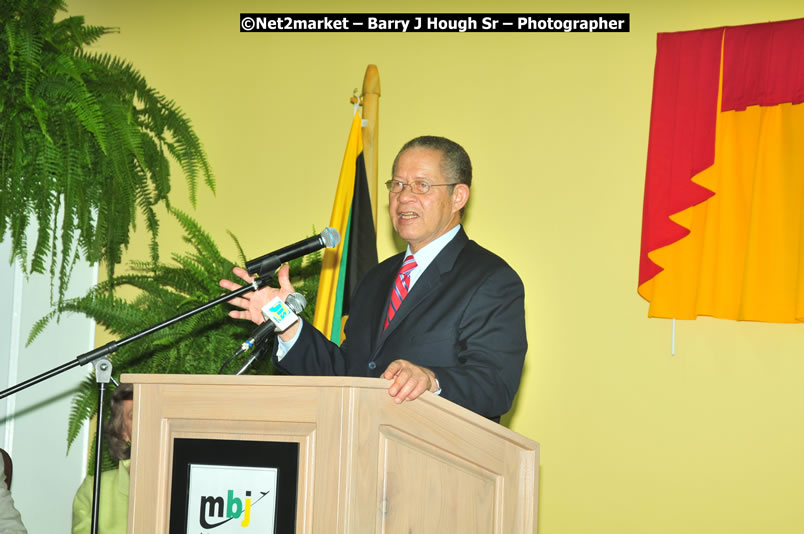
<point x="278" y="315"/>
<point x="268" y="263"/>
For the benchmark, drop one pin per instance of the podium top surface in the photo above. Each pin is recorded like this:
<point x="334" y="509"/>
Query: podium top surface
<point x="258" y="380"/>
<point x="343" y="382"/>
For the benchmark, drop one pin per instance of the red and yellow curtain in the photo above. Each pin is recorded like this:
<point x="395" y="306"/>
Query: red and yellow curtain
<point x="723" y="228"/>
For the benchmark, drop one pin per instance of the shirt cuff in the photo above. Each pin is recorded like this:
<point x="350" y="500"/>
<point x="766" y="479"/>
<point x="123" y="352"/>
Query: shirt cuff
<point x="283" y="347"/>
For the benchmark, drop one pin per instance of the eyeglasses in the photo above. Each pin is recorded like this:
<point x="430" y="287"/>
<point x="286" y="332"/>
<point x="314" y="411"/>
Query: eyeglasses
<point x="419" y="187"/>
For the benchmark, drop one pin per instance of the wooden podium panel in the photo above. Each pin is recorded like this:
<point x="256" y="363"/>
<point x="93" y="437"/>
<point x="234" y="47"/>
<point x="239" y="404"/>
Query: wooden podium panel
<point x="365" y="465"/>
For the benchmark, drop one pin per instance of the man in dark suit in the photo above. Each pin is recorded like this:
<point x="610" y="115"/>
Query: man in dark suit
<point x="446" y="316"/>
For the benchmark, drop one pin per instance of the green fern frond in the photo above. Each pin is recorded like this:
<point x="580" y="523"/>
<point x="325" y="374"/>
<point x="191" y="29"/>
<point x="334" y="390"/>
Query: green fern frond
<point x="84" y="405"/>
<point x="85" y="128"/>
<point x="241" y="255"/>
<point x="201" y="240"/>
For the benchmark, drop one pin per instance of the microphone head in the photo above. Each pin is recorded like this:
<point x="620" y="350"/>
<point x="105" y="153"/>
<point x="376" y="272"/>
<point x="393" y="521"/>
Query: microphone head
<point x="330" y="237"/>
<point x="296" y="301"/>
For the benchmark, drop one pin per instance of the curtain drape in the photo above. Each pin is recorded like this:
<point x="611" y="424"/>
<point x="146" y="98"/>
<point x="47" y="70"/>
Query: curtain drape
<point x="722" y="217"/>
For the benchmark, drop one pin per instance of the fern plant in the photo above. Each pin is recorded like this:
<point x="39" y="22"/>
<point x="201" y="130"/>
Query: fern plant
<point x="197" y="345"/>
<point x="84" y="143"/>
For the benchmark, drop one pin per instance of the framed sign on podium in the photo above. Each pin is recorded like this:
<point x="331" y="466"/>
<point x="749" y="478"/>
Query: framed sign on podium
<point x="229" y="485"/>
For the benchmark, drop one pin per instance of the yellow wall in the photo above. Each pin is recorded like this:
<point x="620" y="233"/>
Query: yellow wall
<point x="633" y="439"/>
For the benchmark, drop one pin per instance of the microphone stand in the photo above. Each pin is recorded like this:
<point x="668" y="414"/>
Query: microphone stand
<point x="103" y="374"/>
<point x="103" y="371"/>
<point x="256" y="353"/>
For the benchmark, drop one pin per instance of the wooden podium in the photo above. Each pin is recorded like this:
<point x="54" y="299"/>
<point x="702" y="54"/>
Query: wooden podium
<point x="365" y="464"/>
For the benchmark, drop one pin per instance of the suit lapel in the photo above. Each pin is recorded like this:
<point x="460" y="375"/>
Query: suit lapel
<point x="429" y="281"/>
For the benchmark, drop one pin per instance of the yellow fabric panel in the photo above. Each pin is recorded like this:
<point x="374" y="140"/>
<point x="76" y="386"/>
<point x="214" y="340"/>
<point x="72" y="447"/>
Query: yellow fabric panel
<point x="743" y="257"/>
<point x="341" y="207"/>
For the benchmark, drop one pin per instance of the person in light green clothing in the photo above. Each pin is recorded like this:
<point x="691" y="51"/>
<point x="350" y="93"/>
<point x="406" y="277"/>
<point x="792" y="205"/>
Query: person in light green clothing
<point x="113" y="504"/>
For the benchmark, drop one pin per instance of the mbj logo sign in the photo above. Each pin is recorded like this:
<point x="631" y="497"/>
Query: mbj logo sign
<point x="224" y="499"/>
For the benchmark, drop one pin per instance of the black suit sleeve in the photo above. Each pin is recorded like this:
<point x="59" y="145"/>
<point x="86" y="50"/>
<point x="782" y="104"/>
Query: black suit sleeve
<point x="313" y="355"/>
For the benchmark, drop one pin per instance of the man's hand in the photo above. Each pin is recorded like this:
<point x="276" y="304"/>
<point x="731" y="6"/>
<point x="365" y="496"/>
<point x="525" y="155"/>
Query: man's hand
<point x="410" y="380"/>
<point x="251" y="303"/>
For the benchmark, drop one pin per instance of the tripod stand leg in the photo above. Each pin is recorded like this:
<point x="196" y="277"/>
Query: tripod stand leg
<point x="103" y="374"/>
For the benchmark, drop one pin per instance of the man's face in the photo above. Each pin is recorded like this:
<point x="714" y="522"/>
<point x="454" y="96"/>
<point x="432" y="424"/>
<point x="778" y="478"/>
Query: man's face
<point x="419" y="219"/>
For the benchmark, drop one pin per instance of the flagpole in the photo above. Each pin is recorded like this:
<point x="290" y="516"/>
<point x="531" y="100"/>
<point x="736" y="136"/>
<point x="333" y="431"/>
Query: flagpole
<point x="371" y="114"/>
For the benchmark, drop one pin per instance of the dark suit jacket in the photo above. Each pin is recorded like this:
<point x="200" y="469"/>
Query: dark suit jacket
<point x="464" y="319"/>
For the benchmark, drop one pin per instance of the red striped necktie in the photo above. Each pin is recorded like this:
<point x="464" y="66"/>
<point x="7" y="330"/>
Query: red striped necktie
<point x="400" y="290"/>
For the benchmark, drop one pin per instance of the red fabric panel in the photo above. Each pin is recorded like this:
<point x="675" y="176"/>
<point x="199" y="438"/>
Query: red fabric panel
<point x="682" y="135"/>
<point x="763" y="64"/>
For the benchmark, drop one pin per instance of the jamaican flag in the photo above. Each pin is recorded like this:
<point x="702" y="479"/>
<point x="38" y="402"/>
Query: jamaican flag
<point x="343" y="266"/>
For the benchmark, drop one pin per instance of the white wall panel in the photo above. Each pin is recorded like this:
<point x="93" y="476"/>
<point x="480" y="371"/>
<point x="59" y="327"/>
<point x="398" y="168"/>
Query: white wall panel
<point x="33" y="422"/>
